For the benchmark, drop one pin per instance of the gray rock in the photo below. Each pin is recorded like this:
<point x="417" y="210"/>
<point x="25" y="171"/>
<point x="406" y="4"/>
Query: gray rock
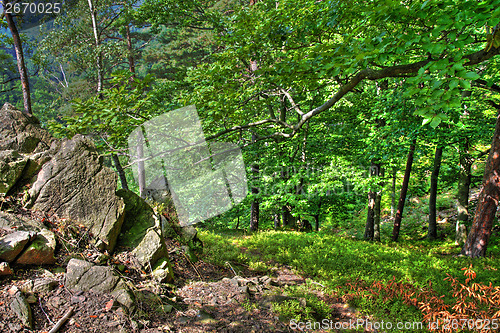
<point x="123" y="295"/>
<point x="150" y="249"/>
<point x="9" y="222"/>
<point x="163" y="271"/>
<point x="12" y="244"/>
<point x="40" y="251"/>
<point x="44" y="285"/>
<point x="74" y="271"/>
<point x="99" y="279"/>
<point x="22" y="309"/>
<point x="75" y="184"/>
<point x="5" y="269"/>
<point x="84" y="276"/>
<point x="139" y="217"/>
<point x="189" y="233"/>
<point x="22" y="133"/>
<point x="11" y="169"/>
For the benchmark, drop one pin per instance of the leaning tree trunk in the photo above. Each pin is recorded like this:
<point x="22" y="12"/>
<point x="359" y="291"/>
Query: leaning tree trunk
<point x="21" y="66"/>
<point x="464" y="179"/>
<point x="432" y="233"/>
<point x="97" y="41"/>
<point x="477" y="240"/>
<point x="404" y="190"/>
<point x="119" y="169"/>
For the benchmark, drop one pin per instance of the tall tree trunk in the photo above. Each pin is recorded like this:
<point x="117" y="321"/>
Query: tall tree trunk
<point x="404" y="190"/>
<point x="316" y="222"/>
<point x="276" y="221"/>
<point x="376" y="216"/>
<point x="479" y="236"/>
<point x="97" y="41"/>
<point x="370" y="216"/>
<point x="141" y="171"/>
<point x="23" y="73"/>
<point x="393" y="192"/>
<point x="432" y="233"/>
<point x="254" y="209"/>
<point x="119" y="169"/>
<point x="464" y="179"/>
<point x="131" y="59"/>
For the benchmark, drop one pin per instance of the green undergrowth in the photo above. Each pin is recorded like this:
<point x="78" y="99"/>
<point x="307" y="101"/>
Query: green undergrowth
<point x="335" y="261"/>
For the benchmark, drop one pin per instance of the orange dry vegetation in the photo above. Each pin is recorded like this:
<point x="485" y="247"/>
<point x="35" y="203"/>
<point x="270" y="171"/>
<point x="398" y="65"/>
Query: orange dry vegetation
<point x="476" y="306"/>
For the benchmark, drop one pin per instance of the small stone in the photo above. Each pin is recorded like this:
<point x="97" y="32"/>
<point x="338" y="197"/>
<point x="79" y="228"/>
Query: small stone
<point x="27" y="287"/>
<point x="14" y="327"/>
<point x="44" y="285"/>
<point x="5" y="269"/>
<point x="78" y="299"/>
<point x="12" y="244"/>
<point x="243" y="289"/>
<point x="123" y="295"/>
<point x="40" y="251"/>
<point x="234" y="282"/>
<point x="31" y="299"/>
<point x="242" y="282"/>
<point x="13" y="290"/>
<point x="22" y="309"/>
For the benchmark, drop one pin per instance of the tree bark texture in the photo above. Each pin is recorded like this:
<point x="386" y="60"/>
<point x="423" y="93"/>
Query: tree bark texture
<point x="119" y="169"/>
<point x="432" y="232"/>
<point x="404" y="190"/>
<point x="376" y="216"/>
<point x="464" y="180"/>
<point x="21" y="66"/>
<point x="479" y="236"/>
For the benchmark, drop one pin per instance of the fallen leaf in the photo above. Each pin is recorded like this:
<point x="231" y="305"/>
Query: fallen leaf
<point x="109" y="305"/>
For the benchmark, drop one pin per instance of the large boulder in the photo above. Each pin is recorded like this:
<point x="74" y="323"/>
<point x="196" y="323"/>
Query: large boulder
<point x="76" y="185"/>
<point x="141" y="232"/>
<point x="24" y="147"/>
<point x="139" y="217"/>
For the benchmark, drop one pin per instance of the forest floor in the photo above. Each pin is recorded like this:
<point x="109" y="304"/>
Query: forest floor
<point x="204" y="297"/>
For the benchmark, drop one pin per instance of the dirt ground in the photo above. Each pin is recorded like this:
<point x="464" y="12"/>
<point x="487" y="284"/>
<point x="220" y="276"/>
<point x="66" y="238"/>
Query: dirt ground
<point x="203" y="298"/>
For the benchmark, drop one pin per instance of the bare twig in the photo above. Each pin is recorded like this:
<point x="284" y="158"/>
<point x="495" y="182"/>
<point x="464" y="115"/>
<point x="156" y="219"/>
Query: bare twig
<point x="61" y="321"/>
<point x="45" y="313"/>
<point x="189" y="261"/>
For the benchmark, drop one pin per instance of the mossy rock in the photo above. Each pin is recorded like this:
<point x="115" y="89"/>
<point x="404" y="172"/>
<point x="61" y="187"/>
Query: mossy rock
<point x="139" y="217"/>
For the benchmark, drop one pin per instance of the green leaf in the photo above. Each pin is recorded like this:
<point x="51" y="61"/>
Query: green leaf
<point x="426" y="121"/>
<point x="471" y="76"/>
<point x="435" y="122"/>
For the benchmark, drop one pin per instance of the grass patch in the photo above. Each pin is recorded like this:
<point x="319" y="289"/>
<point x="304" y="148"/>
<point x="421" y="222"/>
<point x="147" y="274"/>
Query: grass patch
<point x="336" y="261"/>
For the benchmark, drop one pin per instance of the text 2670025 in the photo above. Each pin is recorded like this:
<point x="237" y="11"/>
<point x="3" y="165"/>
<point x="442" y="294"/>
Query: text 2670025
<point x="33" y="8"/>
